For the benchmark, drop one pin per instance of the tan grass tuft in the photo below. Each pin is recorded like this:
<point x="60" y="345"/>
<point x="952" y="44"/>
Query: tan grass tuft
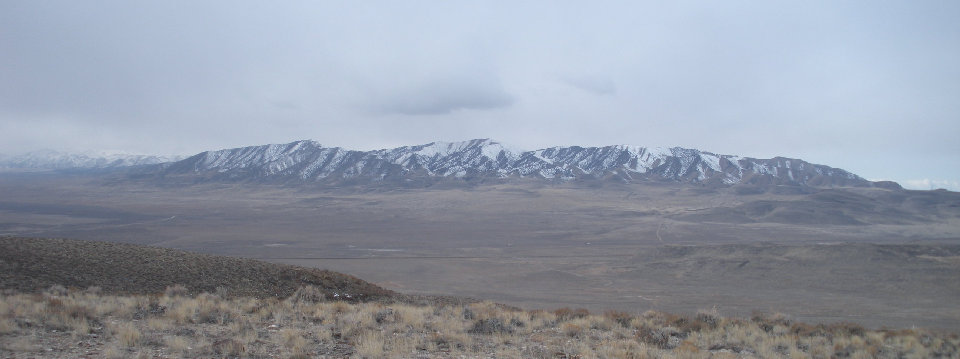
<point x="114" y="352"/>
<point x="21" y="345"/>
<point x="127" y="334"/>
<point x="228" y="347"/>
<point x="176" y="290"/>
<point x="572" y="329"/>
<point x="159" y="324"/>
<point x="178" y="344"/>
<point x="7" y="326"/>
<point x="299" y="346"/>
<point x="412" y="316"/>
<point x="564" y="314"/>
<point x="370" y="345"/>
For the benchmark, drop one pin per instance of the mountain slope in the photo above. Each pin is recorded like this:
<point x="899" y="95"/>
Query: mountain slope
<point x="34" y="264"/>
<point x="53" y="160"/>
<point x="484" y="159"/>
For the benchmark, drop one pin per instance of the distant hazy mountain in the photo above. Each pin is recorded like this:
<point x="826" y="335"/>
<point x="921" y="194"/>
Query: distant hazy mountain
<point x="59" y="160"/>
<point x="484" y="159"/>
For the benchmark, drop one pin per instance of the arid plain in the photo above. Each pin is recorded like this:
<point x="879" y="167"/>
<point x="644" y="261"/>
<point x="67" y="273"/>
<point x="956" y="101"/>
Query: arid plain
<point x="874" y="256"/>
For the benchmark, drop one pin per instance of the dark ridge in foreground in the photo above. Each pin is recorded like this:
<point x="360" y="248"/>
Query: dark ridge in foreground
<point x="35" y="264"/>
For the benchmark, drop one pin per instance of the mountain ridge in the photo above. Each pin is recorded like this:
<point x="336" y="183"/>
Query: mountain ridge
<point x="480" y="160"/>
<point x="55" y="160"/>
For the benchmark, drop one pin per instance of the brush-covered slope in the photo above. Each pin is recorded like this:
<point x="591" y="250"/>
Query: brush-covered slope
<point x="33" y="264"/>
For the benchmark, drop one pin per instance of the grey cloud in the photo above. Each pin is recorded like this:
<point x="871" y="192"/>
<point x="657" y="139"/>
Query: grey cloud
<point x="444" y="96"/>
<point x="441" y="95"/>
<point x="599" y="85"/>
<point x="849" y="84"/>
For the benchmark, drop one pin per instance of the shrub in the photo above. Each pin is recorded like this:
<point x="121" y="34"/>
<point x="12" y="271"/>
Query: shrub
<point x="93" y="291"/>
<point x="564" y="314"/>
<point x="370" y="345"/>
<point x="807" y="330"/>
<point x="411" y="316"/>
<point x="176" y="290"/>
<point x="55" y="291"/>
<point x="665" y="337"/>
<point x="687" y="346"/>
<point x="490" y="326"/>
<point x="768" y="322"/>
<point x="228" y="347"/>
<point x="448" y="341"/>
<point x="212" y="309"/>
<point x="621" y="318"/>
<point x="709" y="319"/>
<point x="7" y="326"/>
<point x="178" y="344"/>
<point x="113" y="352"/>
<point x="846" y="328"/>
<point x="308" y="294"/>
<point x="385" y="315"/>
<point x="572" y="329"/>
<point x="128" y="334"/>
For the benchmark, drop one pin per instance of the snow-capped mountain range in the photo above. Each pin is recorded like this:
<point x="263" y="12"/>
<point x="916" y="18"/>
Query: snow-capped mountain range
<point x="470" y="161"/>
<point x="484" y="159"/>
<point x="54" y="160"/>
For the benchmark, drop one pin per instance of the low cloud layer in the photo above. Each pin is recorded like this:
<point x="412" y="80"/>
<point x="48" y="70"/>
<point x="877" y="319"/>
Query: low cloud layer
<point x="928" y="184"/>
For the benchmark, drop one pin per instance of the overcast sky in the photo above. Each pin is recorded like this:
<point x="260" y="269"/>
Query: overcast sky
<point x="868" y="86"/>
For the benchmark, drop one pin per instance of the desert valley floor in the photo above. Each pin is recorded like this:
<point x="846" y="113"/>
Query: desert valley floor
<point x="869" y="255"/>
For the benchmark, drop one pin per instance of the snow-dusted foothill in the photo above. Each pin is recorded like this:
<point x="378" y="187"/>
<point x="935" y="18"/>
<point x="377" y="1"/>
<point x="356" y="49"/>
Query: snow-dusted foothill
<point x="54" y="160"/>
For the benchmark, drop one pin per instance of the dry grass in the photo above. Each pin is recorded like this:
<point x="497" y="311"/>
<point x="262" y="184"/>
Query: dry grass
<point x="127" y="334"/>
<point x="172" y="325"/>
<point x="178" y="344"/>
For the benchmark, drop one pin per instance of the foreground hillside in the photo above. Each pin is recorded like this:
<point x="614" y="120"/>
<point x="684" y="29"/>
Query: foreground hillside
<point x="58" y="323"/>
<point x="229" y="307"/>
<point x="33" y="264"/>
